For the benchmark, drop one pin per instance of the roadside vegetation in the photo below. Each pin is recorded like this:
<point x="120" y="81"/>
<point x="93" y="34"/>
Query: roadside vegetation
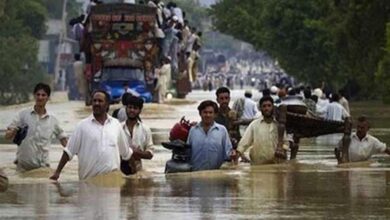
<point x="345" y="43"/>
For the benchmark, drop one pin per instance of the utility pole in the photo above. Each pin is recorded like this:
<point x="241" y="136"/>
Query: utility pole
<point x="61" y="37"/>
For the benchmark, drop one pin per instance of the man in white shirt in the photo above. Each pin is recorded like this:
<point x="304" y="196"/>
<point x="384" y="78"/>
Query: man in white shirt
<point x="322" y="103"/>
<point x="97" y="141"/>
<point x="343" y="101"/>
<point x="334" y="110"/>
<point x="362" y="145"/>
<point x="246" y="108"/>
<point x="33" y="151"/>
<point x="250" y="107"/>
<point x="138" y="136"/>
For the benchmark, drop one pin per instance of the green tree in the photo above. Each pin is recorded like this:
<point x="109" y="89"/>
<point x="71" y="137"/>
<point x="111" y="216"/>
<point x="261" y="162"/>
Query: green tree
<point x="383" y="74"/>
<point x="358" y="30"/>
<point x="19" y="67"/>
<point x="31" y="13"/>
<point x="332" y="41"/>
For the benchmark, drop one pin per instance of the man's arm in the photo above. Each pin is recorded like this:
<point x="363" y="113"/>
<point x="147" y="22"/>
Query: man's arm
<point x="64" y="141"/>
<point x="61" y="164"/>
<point x="10" y="133"/>
<point x="230" y="153"/>
<point x="59" y="133"/>
<point x="243" y="121"/>
<point x="140" y="154"/>
<point x="148" y="152"/>
<point x="124" y="149"/>
<point x="246" y="140"/>
<point x="13" y="127"/>
<point x="387" y="151"/>
<point x="72" y="149"/>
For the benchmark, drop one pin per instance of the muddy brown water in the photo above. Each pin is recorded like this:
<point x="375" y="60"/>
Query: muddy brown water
<point x="311" y="187"/>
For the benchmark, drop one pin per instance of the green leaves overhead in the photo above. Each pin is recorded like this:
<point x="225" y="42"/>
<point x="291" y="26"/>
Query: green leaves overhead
<point x="21" y="25"/>
<point x="336" y="41"/>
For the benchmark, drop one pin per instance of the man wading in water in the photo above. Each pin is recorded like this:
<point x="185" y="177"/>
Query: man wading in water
<point x="210" y="143"/>
<point x="97" y="141"/>
<point x="138" y="135"/>
<point x="261" y="135"/>
<point x="41" y="126"/>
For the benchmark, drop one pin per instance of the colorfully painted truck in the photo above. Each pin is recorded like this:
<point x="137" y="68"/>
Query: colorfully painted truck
<point x="119" y="41"/>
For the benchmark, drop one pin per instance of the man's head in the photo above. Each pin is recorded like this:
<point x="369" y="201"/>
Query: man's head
<point x="207" y="110"/>
<point x="307" y="93"/>
<point x="314" y="98"/>
<point x="100" y="102"/>
<point x="125" y="96"/>
<point x="41" y="94"/>
<point x="148" y="65"/>
<point x="291" y="91"/>
<point x="134" y="107"/>
<point x="362" y="127"/>
<point x="282" y="92"/>
<point x="266" y="92"/>
<point x="248" y="93"/>
<point x="335" y="97"/>
<point x="125" y="86"/>
<point x="223" y="97"/>
<point x="77" y="57"/>
<point x="266" y="104"/>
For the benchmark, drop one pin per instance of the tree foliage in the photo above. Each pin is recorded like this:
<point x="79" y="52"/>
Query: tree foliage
<point x="338" y="41"/>
<point x="19" y="67"/>
<point x="383" y="74"/>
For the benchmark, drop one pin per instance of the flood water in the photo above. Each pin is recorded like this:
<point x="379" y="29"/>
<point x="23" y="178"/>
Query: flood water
<point x="311" y="187"/>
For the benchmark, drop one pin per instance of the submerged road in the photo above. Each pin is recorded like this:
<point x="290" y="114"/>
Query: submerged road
<point x="312" y="187"/>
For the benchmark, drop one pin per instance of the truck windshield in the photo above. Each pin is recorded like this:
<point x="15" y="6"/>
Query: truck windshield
<point x="122" y="74"/>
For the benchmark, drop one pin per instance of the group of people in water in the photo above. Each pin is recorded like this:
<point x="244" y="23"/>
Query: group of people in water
<point x="104" y="144"/>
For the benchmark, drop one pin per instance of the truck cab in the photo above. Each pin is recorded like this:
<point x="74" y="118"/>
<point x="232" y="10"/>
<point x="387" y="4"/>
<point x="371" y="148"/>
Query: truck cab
<point x="118" y="80"/>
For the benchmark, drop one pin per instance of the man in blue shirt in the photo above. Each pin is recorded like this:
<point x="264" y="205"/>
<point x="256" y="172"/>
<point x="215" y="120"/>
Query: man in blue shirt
<point x="210" y="143"/>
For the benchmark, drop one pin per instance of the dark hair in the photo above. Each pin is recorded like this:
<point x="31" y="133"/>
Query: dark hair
<point x="342" y="92"/>
<point x="266" y="92"/>
<point x="44" y="87"/>
<point x="292" y="91"/>
<point x="77" y="56"/>
<point x="362" y="118"/>
<point x="107" y="96"/>
<point x="222" y="90"/>
<point x="314" y="98"/>
<point x="207" y="103"/>
<point x="125" y="96"/>
<point x="135" y="101"/>
<point x="248" y="94"/>
<point x="335" y="97"/>
<point x="266" y="98"/>
<point x="307" y="93"/>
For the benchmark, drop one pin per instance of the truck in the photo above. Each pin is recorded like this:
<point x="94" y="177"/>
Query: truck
<point x="119" y="39"/>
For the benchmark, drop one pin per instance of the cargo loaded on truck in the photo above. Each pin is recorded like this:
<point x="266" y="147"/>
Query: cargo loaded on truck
<point x="119" y="40"/>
